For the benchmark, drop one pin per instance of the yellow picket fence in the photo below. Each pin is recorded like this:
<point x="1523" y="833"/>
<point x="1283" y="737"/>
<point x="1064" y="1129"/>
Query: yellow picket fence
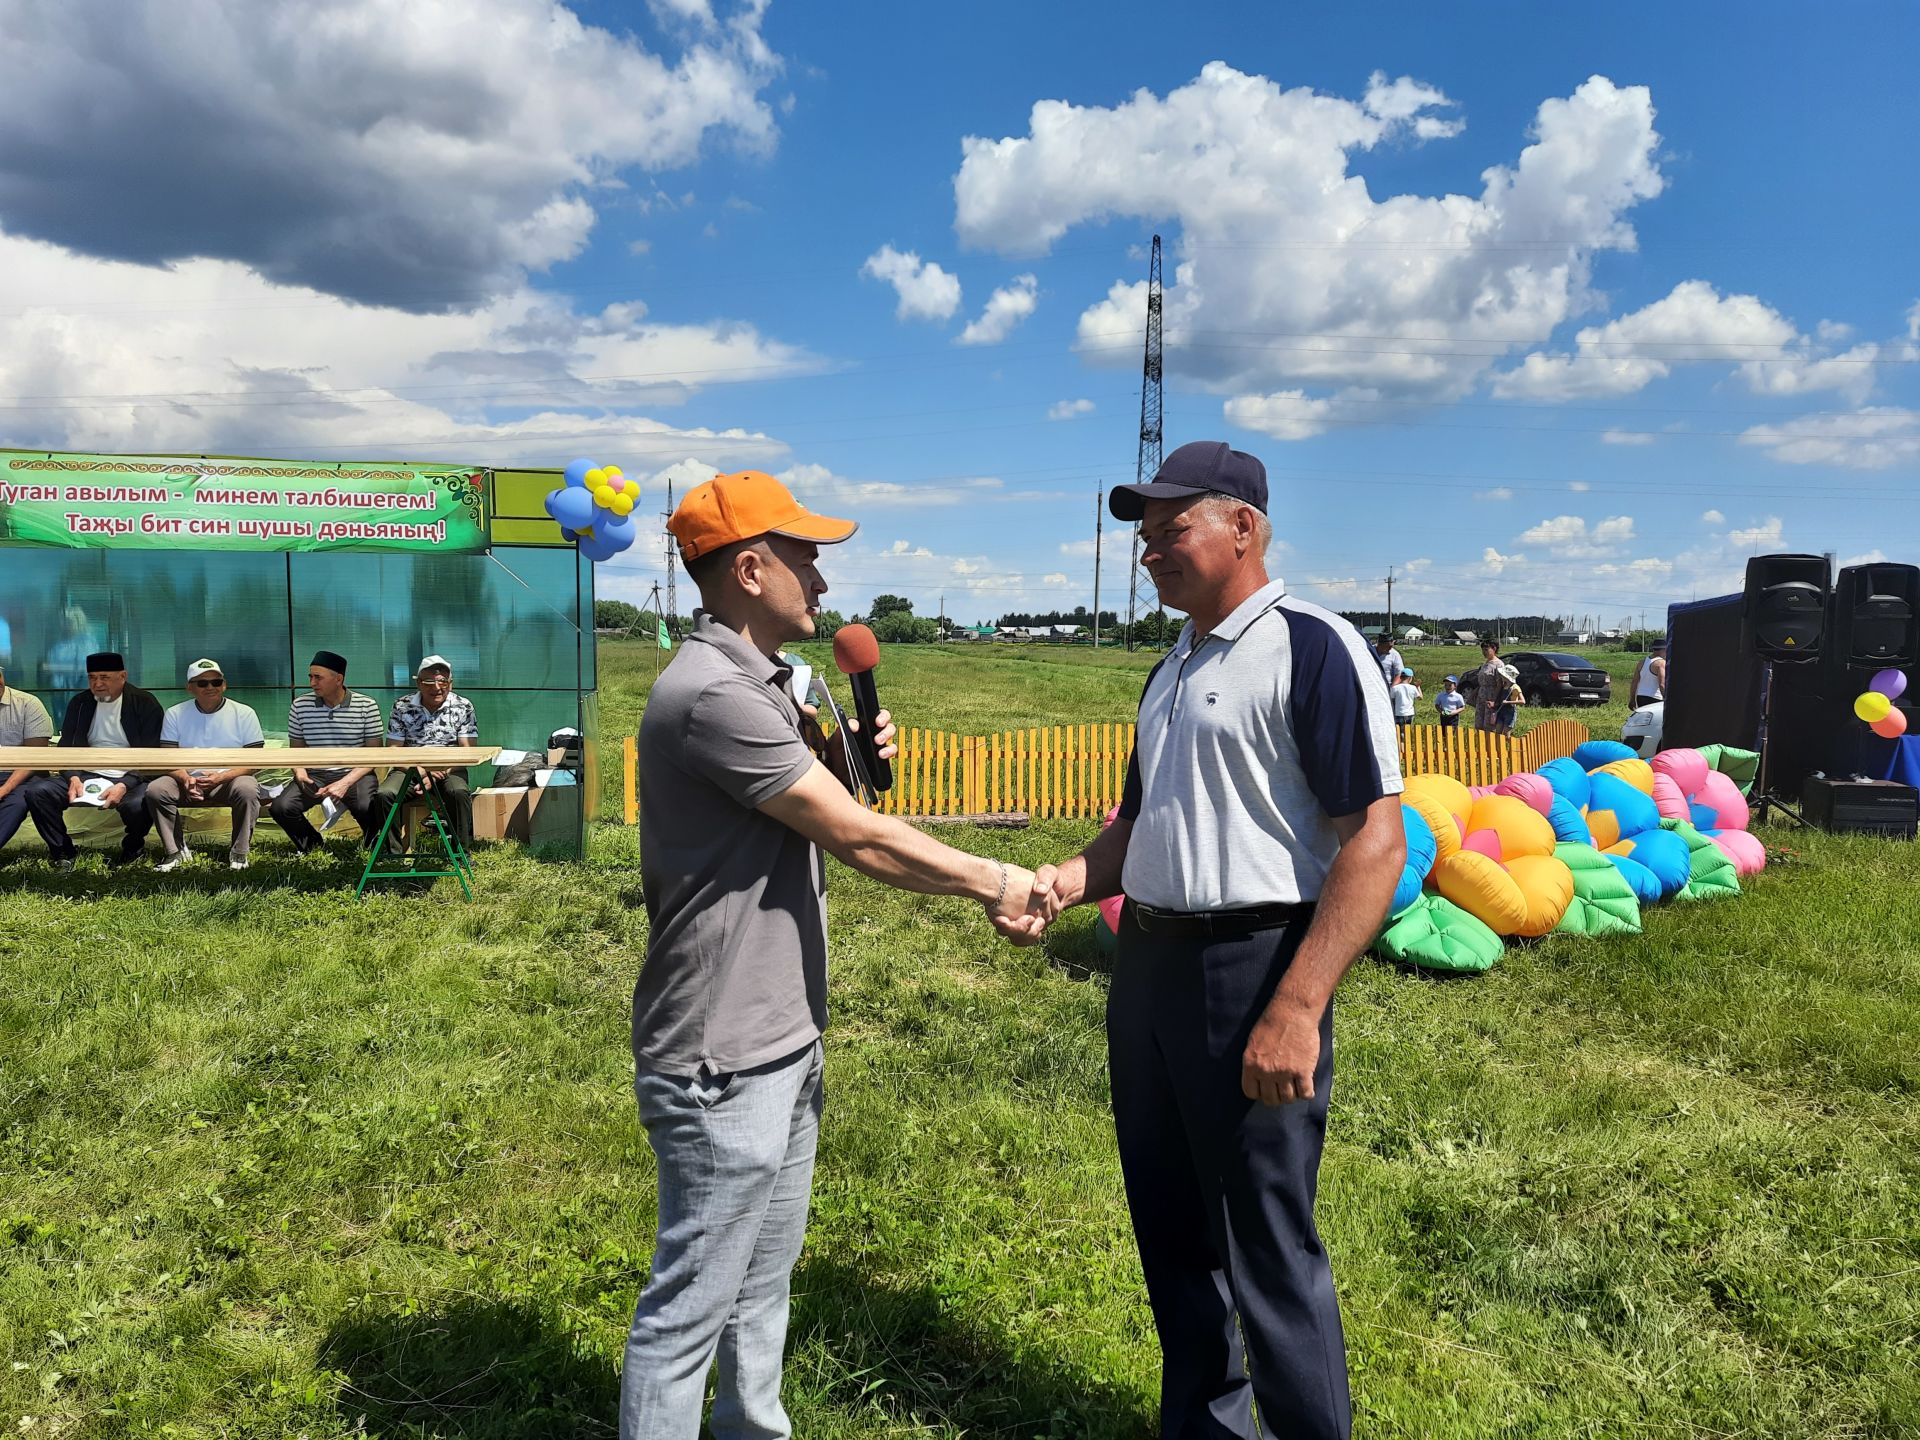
<point x="1068" y="771"/>
<point x="1477" y="757"/>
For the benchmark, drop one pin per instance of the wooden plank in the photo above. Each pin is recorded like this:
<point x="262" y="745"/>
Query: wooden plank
<point x="630" y="763"/>
<point x="321" y="757"/>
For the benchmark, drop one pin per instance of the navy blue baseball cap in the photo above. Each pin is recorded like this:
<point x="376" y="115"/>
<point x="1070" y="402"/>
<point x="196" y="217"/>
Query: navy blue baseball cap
<point x="1200" y="467"/>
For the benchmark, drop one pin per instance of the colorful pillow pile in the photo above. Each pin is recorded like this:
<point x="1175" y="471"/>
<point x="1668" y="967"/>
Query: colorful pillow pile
<point x="1579" y="846"/>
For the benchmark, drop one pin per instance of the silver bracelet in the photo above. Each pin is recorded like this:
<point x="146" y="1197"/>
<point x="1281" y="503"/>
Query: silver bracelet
<point x="1003" y="884"/>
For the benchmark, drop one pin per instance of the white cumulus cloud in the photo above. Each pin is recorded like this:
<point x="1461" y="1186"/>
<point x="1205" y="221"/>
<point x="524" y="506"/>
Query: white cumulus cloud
<point x="1873" y="438"/>
<point x="1625" y="437"/>
<point x="1006" y="308"/>
<point x="1498" y="492"/>
<point x="423" y="154"/>
<point x="1712" y="517"/>
<point x="1280" y="238"/>
<point x="1764" y="536"/>
<point x="1571" y="537"/>
<point x="925" y="291"/>
<point x="1069" y="409"/>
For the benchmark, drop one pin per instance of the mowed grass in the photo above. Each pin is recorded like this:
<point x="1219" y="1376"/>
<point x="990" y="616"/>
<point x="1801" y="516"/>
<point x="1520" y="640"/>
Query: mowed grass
<point x="273" y="1163"/>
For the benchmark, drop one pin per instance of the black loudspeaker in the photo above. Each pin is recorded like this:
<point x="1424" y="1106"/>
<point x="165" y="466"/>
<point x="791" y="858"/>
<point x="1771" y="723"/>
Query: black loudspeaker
<point x="1874" y="619"/>
<point x="1784" y="609"/>
<point x="1867" y="807"/>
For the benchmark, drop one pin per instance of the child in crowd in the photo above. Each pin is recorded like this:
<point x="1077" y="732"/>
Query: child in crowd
<point x="1450" y="702"/>
<point x="1405" y="693"/>
<point x="1509" y="709"/>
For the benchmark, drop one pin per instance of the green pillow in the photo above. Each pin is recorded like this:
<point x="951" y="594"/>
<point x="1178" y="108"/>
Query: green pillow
<point x="1433" y="933"/>
<point x="1603" y="900"/>
<point x="1740" y="766"/>
<point x="1711" y="874"/>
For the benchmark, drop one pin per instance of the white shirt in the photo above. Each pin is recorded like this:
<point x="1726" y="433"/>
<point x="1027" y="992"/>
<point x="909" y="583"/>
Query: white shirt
<point x="1250" y="743"/>
<point x="1403" y="698"/>
<point x="232" y="727"/>
<point x="107" y="729"/>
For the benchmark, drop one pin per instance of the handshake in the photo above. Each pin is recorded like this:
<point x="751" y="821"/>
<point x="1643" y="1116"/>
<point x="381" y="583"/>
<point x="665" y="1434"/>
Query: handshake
<point x="1031" y="900"/>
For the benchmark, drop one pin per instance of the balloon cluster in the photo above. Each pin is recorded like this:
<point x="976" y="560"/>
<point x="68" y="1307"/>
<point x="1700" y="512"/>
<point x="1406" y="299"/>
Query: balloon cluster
<point x="1875" y="705"/>
<point x="594" y="508"/>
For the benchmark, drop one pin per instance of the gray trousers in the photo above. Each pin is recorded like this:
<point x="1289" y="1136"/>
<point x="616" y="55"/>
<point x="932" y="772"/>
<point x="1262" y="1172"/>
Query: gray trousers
<point x="735" y="1158"/>
<point x="241" y="795"/>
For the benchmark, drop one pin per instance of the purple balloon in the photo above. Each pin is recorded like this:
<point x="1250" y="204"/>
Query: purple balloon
<point x="1890" y="683"/>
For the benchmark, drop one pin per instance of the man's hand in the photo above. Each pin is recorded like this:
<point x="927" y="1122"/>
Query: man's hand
<point x="1281" y="1054"/>
<point x="301" y="776"/>
<point x="333" y="790"/>
<point x="116" y="792"/>
<point x="73" y="788"/>
<point x="1045" y="900"/>
<point x="882" y="736"/>
<point x="1015" y="914"/>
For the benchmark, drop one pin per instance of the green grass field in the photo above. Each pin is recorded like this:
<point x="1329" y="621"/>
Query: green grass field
<point x="276" y="1164"/>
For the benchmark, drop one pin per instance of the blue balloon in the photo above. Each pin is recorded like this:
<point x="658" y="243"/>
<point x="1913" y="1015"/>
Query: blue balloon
<point x="1646" y="885"/>
<point x="569" y="535"/>
<point x="596" y="548"/>
<point x="572" y="507"/>
<point x="1595" y="753"/>
<point x="1421" y="851"/>
<point x="1569" y="781"/>
<point x="620" y="529"/>
<point x="576" y="473"/>
<point x="1569" y="825"/>
<point x="1633" y="809"/>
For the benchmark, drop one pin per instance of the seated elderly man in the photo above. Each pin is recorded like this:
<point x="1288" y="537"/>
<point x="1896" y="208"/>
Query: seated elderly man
<point x="108" y="714"/>
<point x="434" y="716"/>
<point x="24" y="721"/>
<point x="209" y="721"/>
<point x="331" y="716"/>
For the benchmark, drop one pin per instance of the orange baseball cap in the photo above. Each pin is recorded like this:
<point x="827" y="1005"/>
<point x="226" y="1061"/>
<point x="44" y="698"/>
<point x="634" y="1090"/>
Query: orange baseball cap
<point x="739" y="507"/>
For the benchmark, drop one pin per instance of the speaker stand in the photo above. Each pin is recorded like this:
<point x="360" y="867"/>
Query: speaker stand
<point x="1766" y="803"/>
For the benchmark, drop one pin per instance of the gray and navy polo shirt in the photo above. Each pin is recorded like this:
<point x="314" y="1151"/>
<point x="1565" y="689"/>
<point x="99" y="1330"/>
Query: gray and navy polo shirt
<point x="1251" y="742"/>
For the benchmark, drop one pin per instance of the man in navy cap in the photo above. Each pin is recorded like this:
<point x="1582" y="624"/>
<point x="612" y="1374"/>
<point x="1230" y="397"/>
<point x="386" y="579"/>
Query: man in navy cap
<point x="108" y="714"/>
<point x="1258" y="844"/>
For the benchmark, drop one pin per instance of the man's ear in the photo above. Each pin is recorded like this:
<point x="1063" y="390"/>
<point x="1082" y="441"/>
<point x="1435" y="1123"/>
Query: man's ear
<point x="747" y="566"/>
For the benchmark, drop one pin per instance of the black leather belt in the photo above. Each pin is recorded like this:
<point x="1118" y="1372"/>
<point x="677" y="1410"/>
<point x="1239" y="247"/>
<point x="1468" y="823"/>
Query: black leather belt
<point x="1216" y="924"/>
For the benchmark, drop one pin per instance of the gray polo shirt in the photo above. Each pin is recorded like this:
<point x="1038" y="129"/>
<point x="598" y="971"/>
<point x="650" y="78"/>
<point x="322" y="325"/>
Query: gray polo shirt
<point x="22" y="718"/>
<point x="1250" y="744"/>
<point x="736" y="967"/>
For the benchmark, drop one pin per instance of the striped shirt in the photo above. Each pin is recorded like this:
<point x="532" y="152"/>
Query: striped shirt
<point x="356" y="720"/>
<point x="1251" y="743"/>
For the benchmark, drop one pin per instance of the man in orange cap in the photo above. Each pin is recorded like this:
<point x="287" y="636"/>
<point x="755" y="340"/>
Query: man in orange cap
<point x="732" y="1000"/>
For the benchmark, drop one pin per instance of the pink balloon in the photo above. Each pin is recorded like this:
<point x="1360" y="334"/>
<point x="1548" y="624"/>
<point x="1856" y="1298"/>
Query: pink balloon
<point x="1668" y="799"/>
<point x="1890" y="683"/>
<point x="1688" y="769"/>
<point x="1484" y="842"/>
<point x="1478" y="790"/>
<point x="1723" y="797"/>
<point x="1110" y="911"/>
<point x="1531" y="790"/>
<point x="1742" y="847"/>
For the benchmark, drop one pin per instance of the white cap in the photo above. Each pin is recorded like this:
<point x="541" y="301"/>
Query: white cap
<point x="204" y="667"/>
<point x="431" y="661"/>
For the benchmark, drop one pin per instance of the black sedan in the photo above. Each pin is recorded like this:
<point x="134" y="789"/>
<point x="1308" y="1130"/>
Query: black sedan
<point x="1551" y="677"/>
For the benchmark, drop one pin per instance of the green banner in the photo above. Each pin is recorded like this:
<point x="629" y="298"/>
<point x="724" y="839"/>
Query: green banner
<point x="141" y="502"/>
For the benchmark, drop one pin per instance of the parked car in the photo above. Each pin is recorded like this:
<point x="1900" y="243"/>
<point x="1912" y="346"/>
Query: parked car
<point x="1643" y="729"/>
<point x="1552" y="677"/>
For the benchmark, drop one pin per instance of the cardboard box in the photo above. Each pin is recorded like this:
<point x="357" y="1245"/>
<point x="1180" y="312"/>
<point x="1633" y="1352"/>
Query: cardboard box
<point x="542" y="815"/>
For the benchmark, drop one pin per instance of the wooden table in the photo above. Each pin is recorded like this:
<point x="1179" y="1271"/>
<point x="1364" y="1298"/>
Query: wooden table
<point x="313" y="757"/>
<point x="412" y="758"/>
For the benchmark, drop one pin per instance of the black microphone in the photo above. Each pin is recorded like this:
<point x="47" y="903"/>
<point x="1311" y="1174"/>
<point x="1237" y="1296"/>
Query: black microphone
<point x="856" y="652"/>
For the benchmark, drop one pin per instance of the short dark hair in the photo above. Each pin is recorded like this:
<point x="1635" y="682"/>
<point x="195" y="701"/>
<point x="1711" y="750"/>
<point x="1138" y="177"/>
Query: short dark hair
<point x="1493" y="645"/>
<point x="705" y="570"/>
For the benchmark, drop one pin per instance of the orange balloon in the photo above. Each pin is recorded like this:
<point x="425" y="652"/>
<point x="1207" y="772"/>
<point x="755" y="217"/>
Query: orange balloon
<point x="1892" y="725"/>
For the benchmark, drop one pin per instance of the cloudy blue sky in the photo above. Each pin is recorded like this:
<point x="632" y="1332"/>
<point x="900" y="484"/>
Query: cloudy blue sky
<point x="1565" y="309"/>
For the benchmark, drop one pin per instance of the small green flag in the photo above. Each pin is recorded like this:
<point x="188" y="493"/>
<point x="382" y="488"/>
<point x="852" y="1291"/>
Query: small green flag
<point x="666" y="640"/>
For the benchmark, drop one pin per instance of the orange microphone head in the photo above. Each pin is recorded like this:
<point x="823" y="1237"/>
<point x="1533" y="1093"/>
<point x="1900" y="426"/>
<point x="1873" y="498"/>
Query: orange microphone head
<point x="854" y="649"/>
